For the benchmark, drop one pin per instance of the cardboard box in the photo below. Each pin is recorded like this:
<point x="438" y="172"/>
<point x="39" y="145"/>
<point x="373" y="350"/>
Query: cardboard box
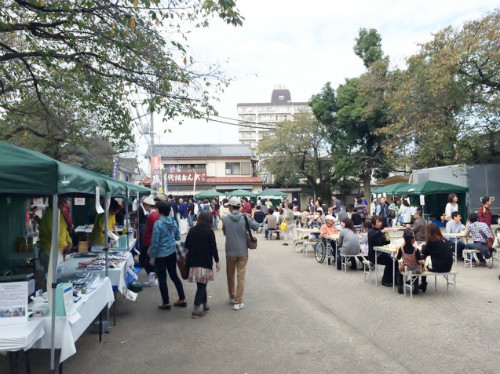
<point x="83" y="246"/>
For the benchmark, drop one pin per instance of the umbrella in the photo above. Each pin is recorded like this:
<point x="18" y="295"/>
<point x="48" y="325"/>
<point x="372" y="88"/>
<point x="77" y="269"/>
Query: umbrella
<point x="241" y="193"/>
<point x="272" y="194"/>
<point x="208" y="194"/>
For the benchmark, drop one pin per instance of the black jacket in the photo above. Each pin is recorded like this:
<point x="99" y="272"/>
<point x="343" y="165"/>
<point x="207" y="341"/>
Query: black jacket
<point x="376" y="238"/>
<point x="201" y="247"/>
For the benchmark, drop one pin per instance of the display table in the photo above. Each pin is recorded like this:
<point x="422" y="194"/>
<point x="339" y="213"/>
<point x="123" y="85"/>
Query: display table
<point x="116" y="273"/>
<point x="21" y="335"/>
<point x="66" y="334"/>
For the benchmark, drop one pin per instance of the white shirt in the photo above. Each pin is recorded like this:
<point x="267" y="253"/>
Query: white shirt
<point x="450" y="208"/>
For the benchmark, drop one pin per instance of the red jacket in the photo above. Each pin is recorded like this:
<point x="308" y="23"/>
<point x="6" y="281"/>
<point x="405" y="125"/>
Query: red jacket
<point x="484" y="215"/>
<point x="148" y="231"/>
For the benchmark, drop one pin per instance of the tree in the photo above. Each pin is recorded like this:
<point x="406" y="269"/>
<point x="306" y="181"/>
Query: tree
<point x="75" y="64"/>
<point x="353" y="117"/>
<point x="444" y="108"/>
<point x="297" y="150"/>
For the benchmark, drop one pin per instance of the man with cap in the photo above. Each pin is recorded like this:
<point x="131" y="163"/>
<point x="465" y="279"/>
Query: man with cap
<point x="234" y="226"/>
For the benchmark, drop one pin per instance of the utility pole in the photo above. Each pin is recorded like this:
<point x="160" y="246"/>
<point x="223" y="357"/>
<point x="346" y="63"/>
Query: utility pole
<point x="151" y="133"/>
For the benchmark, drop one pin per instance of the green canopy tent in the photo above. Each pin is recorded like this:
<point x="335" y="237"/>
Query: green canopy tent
<point x="241" y="193"/>
<point x="208" y="194"/>
<point x="272" y="194"/>
<point x="24" y="172"/>
<point x="436" y="197"/>
<point x="390" y="188"/>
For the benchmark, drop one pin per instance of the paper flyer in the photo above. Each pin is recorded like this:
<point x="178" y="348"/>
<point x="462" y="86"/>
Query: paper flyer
<point x="13" y="303"/>
<point x="98" y="207"/>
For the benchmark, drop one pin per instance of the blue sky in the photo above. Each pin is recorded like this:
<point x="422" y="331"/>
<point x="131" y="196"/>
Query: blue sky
<point x="304" y="44"/>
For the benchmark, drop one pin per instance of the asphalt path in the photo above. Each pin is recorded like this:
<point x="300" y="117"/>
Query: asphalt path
<point x="301" y="317"/>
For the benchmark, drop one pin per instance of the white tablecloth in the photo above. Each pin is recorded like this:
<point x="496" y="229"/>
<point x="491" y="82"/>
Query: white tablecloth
<point x="67" y="334"/>
<point x="116" y="275"/>
<point x="21" y="335"/>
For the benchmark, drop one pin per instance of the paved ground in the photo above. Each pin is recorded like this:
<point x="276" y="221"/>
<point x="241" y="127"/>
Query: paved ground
<point x="301" y="317"/>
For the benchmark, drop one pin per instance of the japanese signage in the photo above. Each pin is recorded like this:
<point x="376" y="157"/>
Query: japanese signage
<point x="185" y="178"/>
<point x="156" y="172"/>
<point x="116" y="167"/>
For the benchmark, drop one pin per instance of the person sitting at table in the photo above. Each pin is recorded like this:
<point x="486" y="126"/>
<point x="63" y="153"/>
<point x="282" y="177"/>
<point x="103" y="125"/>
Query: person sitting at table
<point x="97" y="235"/>
<point x="304" y="218"/>
<point x="411" y="258"/>
<point x="376" y="238"/>
<point x="272" y="224"/>
<point x="480" y="233"/>
<point x="348" y="243"/>
<point x="356" y="220"/>
<point x="316" y="221"/>
<point x="418" y="226"/>
<point x="328" y="229"/>
<point x="439" y="251"/>
<point x="454" y="226"/>
<point x="258" y="215"/>
<point x="363" y="237"/>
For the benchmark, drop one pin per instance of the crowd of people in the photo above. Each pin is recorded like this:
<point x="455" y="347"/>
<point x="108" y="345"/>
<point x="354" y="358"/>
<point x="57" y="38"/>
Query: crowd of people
<point x="161" y="221"/>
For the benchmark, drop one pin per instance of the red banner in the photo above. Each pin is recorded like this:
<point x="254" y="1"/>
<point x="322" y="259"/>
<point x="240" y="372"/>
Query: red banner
<point x="156" y="172"/>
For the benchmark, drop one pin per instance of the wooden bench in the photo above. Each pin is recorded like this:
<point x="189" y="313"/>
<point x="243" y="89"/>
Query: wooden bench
<point x="412" y="277"/>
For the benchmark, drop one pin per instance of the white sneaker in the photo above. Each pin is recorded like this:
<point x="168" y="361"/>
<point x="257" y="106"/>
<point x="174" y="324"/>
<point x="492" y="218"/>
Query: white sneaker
<point x="232" y="300"/>
<point x="238" y="306"/>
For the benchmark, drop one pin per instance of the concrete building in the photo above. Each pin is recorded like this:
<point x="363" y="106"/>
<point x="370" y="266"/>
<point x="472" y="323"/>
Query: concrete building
<point x="224" y="167"/>
<point x="260" y="117"/>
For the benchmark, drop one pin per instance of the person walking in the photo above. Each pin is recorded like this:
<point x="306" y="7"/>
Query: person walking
<point x="234" y="227"/>
<point x="202" y="251"/>
<point x="291" y="228"/>
<point x="162" y="254"/>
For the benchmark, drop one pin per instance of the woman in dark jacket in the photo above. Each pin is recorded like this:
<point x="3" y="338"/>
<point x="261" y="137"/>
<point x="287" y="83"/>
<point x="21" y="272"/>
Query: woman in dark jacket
<point x="201" y="251"/>
<point x="438" y="248"/>
<point x="376" y="238"/>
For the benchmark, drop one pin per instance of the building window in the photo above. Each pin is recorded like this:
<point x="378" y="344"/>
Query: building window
<point x="238" y="168"/>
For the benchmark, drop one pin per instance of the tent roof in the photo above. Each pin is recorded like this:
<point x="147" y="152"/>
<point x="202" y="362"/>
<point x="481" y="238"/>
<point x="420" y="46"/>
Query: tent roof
<point x="430" y="187"/>
<point x="390" y="188"/>
<point x="28" y="172"/>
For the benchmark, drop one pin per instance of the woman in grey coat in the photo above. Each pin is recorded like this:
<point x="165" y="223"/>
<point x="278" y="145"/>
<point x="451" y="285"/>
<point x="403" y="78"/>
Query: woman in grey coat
<point x="348" y="242"/>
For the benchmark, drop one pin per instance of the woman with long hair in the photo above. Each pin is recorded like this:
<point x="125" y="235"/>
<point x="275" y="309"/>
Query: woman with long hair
<point x="376" y="238"/>
<point x="439" y="250"/>
<point x="451" y="206"/>
<point x="348" y="242"/>
<point x="411" y="258"/>
<point x="202" y="250"/>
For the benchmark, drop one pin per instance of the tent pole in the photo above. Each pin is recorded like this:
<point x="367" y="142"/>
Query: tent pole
<point x="138" y="223"/>
<point x="53" y="278"/>
<point x="127" y="217"/>
<point x="106" y="248"/>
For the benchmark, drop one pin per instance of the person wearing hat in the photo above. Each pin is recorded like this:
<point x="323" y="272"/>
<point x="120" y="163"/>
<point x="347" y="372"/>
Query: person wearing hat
<point x="234" y="227"/>
<point x="149" y="204"/>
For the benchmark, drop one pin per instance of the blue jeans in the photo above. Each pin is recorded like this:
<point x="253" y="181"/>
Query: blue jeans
<point x="215" y="221"/>
<point x="191" y="220"/>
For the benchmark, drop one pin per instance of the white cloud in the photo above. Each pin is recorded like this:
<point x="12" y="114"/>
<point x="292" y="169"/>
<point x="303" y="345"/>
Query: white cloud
<point x="306" y="44"/>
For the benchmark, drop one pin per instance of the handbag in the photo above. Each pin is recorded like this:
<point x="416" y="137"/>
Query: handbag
<point x="489" y="243"/>
<point x="283" y="225"/>
<point x="251" y="240"/>
<point x="180" y="251"/>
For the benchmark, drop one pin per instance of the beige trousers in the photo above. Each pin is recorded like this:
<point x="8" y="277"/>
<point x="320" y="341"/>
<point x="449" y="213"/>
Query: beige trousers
<point x="236" y="264"/>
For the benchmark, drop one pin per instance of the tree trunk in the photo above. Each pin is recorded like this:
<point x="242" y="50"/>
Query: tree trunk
<point x="366" y="186"/>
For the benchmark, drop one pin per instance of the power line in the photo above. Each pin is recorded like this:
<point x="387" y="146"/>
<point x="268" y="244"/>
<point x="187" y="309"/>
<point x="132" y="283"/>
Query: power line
<point x="236" y="124"/>
<point x="274" y="125"/>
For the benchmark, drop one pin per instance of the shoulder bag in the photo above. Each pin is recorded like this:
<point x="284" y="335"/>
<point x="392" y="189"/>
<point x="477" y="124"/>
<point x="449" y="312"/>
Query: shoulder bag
<point x="251" y="240"/>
